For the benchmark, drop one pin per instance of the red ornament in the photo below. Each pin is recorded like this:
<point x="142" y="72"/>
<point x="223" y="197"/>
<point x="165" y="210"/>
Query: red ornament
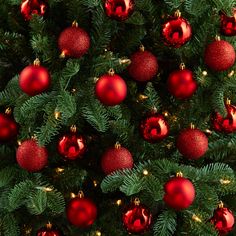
<point x="181" y="83"/>
<point x="31" y="7"/>
<point x="119" y="9"/>
<point x="179" y="192"/>
<point x="74" y="41"/>
<point x="223" y="219"/>
<point x="48" y="231"/>
<point x="8" y="127"/>
<point x="137" y="218"/>
<point x="228" y="24"/>
<point x="81" y="211"/>
<point x="34" y="79"/>
<point x="154" y="128"/>
<point x="111" y="89"/>
<point x="116" y="158"/>
<point x="192" y="143"/>
<point x="176" y="31"/>
<point x="31" y="157"/>
<point x="219" y="55"/>
<point x="143" y="65"/>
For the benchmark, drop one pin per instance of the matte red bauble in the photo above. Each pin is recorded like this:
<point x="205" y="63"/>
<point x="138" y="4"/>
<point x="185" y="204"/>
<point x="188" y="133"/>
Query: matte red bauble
<point x="219" y="55"/>
<point x="119" y="9"/>
<point x="31" y="157"/>
<point x="72" y="145"/>
<point x="179" y="192"/>
<point x="181" y="83"/>
<point x="176" y="31"/>
<point x="116" y="158"/>
<point x="111" y="89"/>
<point x="137" y="218"/>
<point x="192" y="143"/>
<point x="34" y="79"/>
<point x="154" y="128"/>
<point x="228" y="24"/>
<point x="74" y="41"/>
<point x="143" y="65"/>
<point x="81" y="211"/>
<point x="31" y="7"/>
<point x="49" y="230"/>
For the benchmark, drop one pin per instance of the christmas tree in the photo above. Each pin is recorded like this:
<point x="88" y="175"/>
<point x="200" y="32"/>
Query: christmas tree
<point x="117" y="117"/>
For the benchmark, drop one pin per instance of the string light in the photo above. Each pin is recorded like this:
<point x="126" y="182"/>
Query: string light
<point x="166" y="113"/>
<point x="72" y="195"/>
<point x="59" y="170"/>
<point x="95" y="183"/>
<point x="231" y="73"/>
<point x="98" y="233"/>
<point x="204" y="73"/>
<point x="118" y="202"/>
<point x="47" y="189"/>
<point x="225" y="181"/>
<point x="57" y="115"/>
<point x="142" y="98"/>
<point x="145" y="172"/>
<point x="196" y="218"/>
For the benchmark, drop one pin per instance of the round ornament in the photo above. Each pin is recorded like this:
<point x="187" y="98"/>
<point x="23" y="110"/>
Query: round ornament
<point x="31" y="157"/>
<point x="81" y="212"/>
<point x="179" y="192"/>
<point x="49" y="230"/>
<point x="74" y="41"/>
<point x="116" y="158"/>
<point x="143" y="65"/>
<point x="111" y="89"/>
<point x="176" y="31"/>
<point x="34" y="79"/>
<point x="119" y="10"/>
<point x="228" y="24"/>
<point x="137" y="218"/>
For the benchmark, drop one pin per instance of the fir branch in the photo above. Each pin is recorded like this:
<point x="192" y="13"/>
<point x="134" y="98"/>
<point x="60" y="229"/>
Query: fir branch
<point x="153" y="98"/>
<point x="10" y="226"/>
<point x="6" y="175"/>
<point x="55" y="202"/>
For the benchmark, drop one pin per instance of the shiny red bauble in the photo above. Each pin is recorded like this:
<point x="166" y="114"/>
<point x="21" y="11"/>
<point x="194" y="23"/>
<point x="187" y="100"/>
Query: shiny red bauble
<point x="228" y="24"/>
<point x="31" y="157"/>
<point x="219" y="55"/>
<point x="181" y="83"/>
<point x="143" y="65"/>
<point x="49" y="230"/>
<point x="74" y="41"/>
<point x="116" y="158"/>
<point x="111" y="89"/>
<point x="176" y="31"/>
<point x="31" y="7"/>
<point x="119" y="9"/>
<point x="137" y="218"/>
<point x="154" y="128"/>
<point x="34" y="79"/>
<point x="179" y="193"/>
<point x="192" y="143"/>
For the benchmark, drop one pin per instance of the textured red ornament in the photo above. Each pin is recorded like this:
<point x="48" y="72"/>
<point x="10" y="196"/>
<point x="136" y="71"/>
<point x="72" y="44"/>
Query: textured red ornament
<point x="31" y="157"/>
<point x="176" y="31"/>
<point x="34" y="79"/>
<point x="74" y="41"/>
<point x="49" y="230"/>
<point x="219" y="55"/>
<point x="137" y="218"/>
<point x="192" y="143"/>
<point x="154" y="128"/>
<point x="111" y="89"/>
<point x="179" y="193"/>
<point x="116" y="158"/>
<point x="143" y="65"/>
<point x="119" y="9"/>
<point x="228" y="24"/>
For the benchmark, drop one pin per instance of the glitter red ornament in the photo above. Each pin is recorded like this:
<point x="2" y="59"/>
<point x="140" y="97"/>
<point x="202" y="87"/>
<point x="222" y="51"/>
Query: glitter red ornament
<point x="116" y="158"/>
<point x="143" y="65"/>
<point x="34" y="79"/>
<point x="111" y="89"/>
<point x="179" y="192"/>
<point x="74" y="41"/>
<point x="119" y="9"/>
<point x="49" y="230"/>
<point x="72" y="145"/>
<point x="176" y="31"/>
<point x="81" y="212"/>
<point x="219" y="55"/>
<point x="228" y="23"/>
<point x="31" y="157"/>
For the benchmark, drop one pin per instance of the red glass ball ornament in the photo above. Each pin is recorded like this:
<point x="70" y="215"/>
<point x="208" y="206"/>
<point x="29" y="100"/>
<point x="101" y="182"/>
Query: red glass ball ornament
<point x="119" y="9"/>
<point x="179" y="193"/>
<point x="34" y="79"/>
<point x="228" y="24"/>
<point x="116" y="158"/>
<point x="137" y="218"/>
<point x="31" y="7"/>
<point x="176" y="31"/>
<point x="31" y="157"/>
<point x="219" y="55"/>
<point x="181" y="83"/>
<point x="192" y="143"/>
<point x="111" y="89"/>
<point x="154" y="128"/>
<point x="49" y="230"/>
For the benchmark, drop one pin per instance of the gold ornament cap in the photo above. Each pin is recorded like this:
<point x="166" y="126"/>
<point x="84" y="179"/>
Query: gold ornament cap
<point x="111" y="72"/>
